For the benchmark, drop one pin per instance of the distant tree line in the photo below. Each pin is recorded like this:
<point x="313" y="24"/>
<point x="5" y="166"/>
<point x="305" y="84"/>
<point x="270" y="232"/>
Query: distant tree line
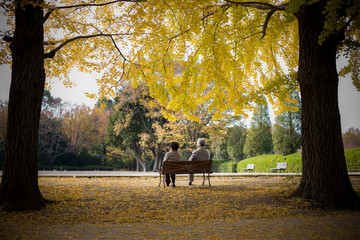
<point x="131" y="132"/>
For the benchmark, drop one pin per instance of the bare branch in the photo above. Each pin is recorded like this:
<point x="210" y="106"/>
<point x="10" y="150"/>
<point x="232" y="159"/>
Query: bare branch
<point x="179" y="34"/>
<point x="98" y="4"/>
<point x="47" y="15"/>
<point x="118" y="49"/>
<point x="252" y="35"/>
<point x="52" y="53"/>
<point x="268" y="16"/>
<point x="260" y="5"/>
<point x="224" y="6"/>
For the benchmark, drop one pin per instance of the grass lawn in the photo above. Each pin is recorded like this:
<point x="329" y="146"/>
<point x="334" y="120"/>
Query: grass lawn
<point x="264" y="163"/>
<point x="136" y="208"/>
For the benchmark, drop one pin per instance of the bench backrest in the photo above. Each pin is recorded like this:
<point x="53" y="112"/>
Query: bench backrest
<point x="182" y="167"/>
<point x="250" y="166"/>
<point x="281" y="165"/>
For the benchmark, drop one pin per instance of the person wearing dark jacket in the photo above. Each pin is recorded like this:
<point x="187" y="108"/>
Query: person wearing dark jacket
<point x="172" y="156"/>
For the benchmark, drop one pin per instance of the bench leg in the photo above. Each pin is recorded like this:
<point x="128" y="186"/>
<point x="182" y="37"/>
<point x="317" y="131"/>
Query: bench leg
<point x="204" y="178"/>
<point x="163" y="180"/>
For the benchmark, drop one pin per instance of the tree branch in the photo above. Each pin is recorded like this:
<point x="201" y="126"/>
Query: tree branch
<point x="173" y="13"/>
<point x="341" y="31"/>
<point x="7" y="38"/>
<point x="52" y="53"/>
<point x="179" y="34"/>
<point x="118" y="49"/>
<point x="97" y="4"/>
<point x="47" y="15"/>
<point x="224" y="6"/>
<point x="268" y="16"/>
<point x="260" y="5"/>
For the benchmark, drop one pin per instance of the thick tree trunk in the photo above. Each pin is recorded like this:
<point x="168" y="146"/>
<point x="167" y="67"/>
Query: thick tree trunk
<point x="325" y="179"/>
<point x="19" y="185"/>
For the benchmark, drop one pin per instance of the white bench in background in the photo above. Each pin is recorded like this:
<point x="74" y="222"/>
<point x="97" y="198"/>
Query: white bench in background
<point x="249" y="167"/>
<point x="280" y="166"/>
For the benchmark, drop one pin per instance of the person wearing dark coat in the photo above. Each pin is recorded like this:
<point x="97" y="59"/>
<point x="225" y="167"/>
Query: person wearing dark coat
<point x="172" y="156"/>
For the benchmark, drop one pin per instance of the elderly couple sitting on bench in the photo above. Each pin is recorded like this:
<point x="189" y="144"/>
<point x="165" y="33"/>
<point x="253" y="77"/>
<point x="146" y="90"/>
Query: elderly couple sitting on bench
<point x="198" y="155"/>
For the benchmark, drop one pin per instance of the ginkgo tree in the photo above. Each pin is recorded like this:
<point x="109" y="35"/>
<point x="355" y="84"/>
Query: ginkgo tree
<point x="44" y="41"/>
<point x="231" y="52"/>
<point x="234" y="52"/>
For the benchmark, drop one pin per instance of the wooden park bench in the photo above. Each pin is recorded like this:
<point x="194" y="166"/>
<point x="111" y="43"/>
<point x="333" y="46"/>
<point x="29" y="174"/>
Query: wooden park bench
<point x="280" y="166"/>
<point x="249" y="167"/>
<point x="186" y="167"/>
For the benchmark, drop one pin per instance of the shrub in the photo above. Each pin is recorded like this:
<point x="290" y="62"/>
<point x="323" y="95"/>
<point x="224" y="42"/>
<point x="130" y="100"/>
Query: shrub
<point x="216" y="165"/>
<point x="263" y="163"/>
<point x="228" y="166"/>
<point x="352" y="156"/>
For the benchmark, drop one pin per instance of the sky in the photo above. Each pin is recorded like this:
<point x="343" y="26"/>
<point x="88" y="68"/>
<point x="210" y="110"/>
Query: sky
<point x="349" y="97"/>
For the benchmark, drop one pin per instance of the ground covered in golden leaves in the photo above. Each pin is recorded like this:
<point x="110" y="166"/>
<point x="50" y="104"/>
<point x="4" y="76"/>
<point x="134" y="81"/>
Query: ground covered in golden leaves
<point x="136" y="208"/>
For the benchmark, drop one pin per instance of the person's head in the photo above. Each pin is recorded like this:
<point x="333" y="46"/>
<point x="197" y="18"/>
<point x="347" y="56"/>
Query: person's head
<point x="201" y="142"/>
<point x="174" y="146"/>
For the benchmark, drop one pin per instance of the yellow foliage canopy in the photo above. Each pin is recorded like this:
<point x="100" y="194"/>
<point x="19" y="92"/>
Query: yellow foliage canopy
<point x="189" y="53"/>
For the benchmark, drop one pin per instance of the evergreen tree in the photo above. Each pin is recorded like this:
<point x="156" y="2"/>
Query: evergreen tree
<point x="287" y="129"/>
<point x="259" y="138"/>
<point x="236" y="142"/>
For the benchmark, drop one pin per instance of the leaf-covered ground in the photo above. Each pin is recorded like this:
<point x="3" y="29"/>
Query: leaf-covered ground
<point x="136" y="208"/>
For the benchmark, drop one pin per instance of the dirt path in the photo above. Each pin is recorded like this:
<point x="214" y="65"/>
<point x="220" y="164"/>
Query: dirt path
<point x="339" y="227"/>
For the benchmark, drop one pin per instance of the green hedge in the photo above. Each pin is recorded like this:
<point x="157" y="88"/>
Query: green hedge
<point x="263" y="163"/>
<point x="216" y="165"/>
<point x="352" y="156"/>
<point x="228" y="166"/>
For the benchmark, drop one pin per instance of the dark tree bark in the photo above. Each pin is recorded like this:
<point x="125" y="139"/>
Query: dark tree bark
<point x="19" y="186"/>
<point x="325" y="179"/>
